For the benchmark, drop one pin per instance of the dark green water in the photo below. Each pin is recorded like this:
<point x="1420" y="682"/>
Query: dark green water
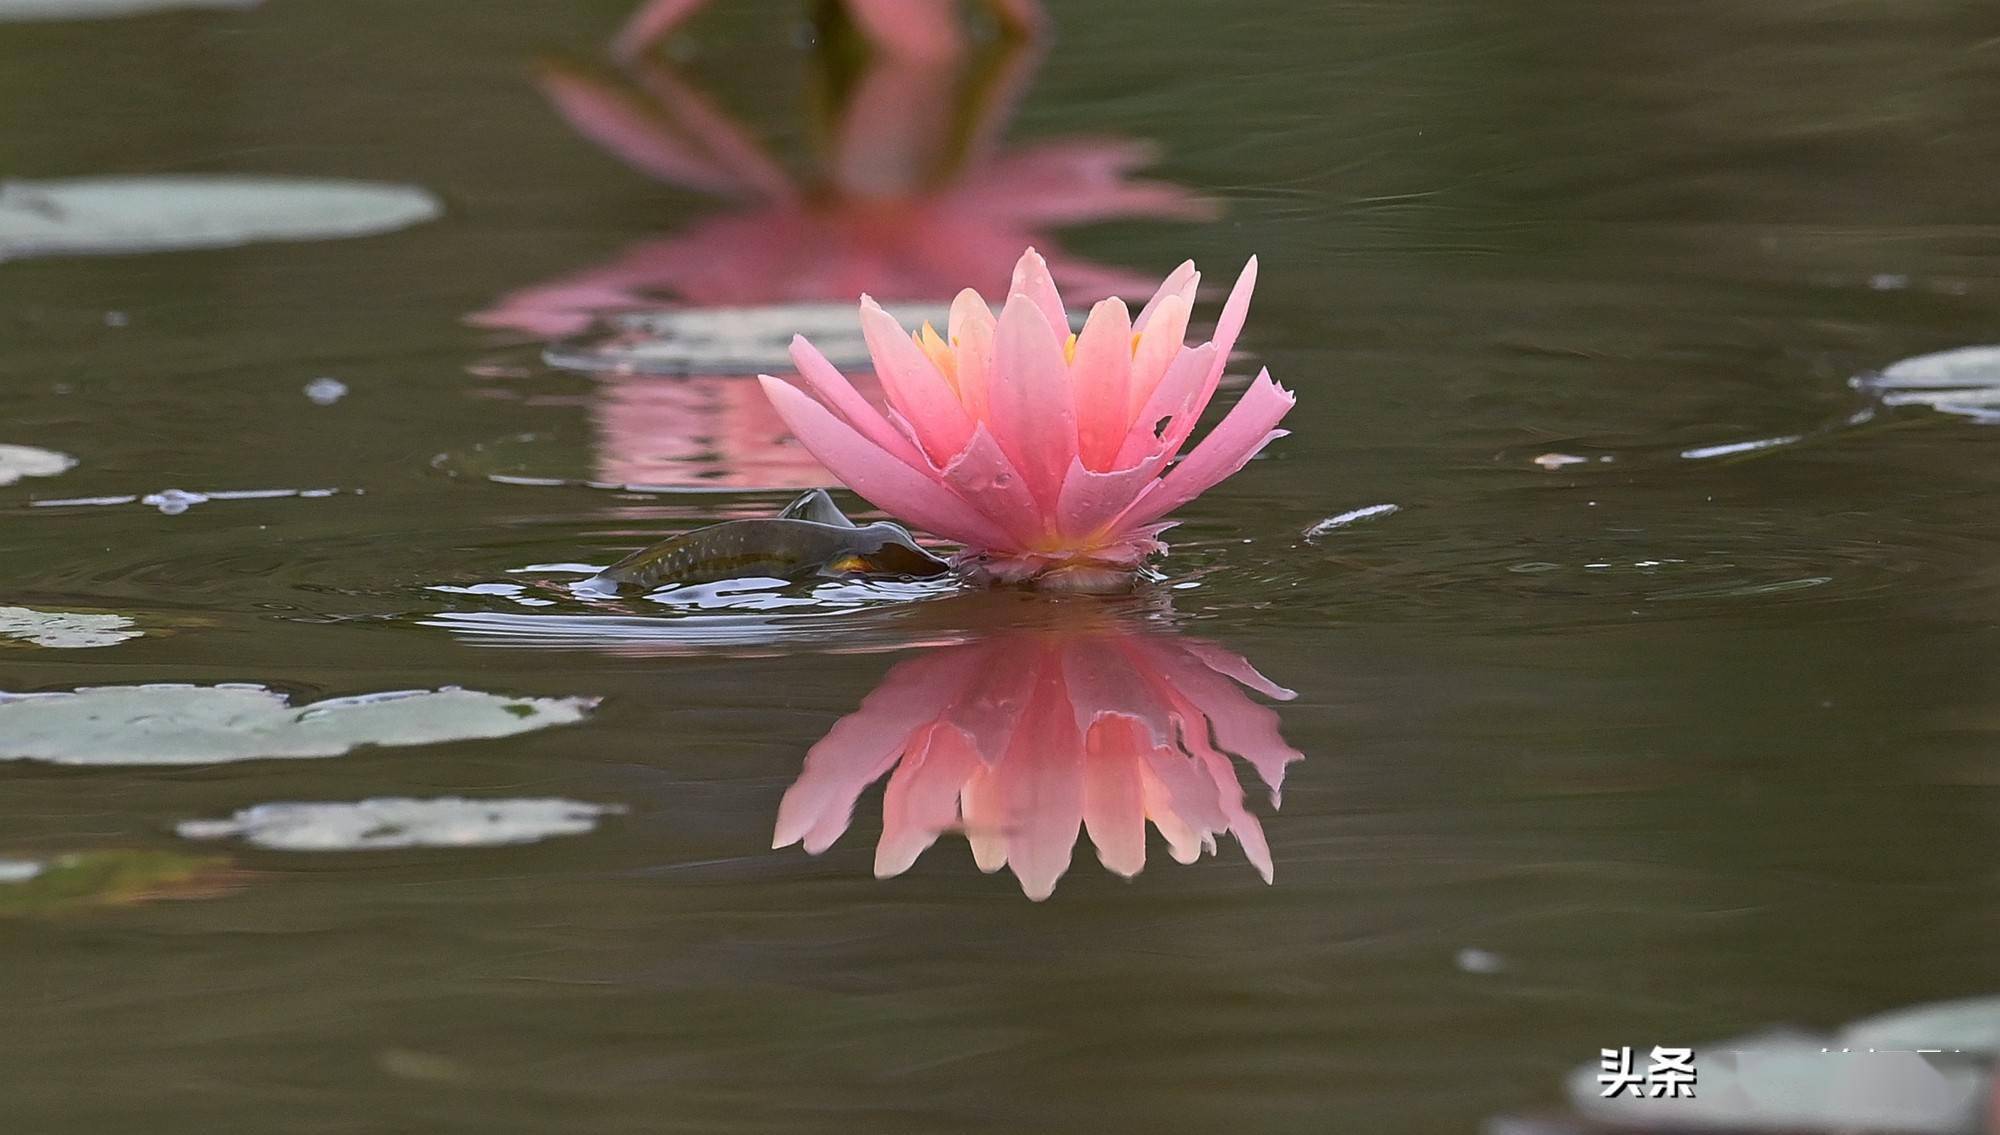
<point x="1691" y="744"/>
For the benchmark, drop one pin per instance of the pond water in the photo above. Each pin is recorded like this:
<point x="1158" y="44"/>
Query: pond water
<point x="1661" y="706"/>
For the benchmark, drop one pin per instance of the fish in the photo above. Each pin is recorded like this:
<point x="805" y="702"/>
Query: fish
<point x="810" y="537"/>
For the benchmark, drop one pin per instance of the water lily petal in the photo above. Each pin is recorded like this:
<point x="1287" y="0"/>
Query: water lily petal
<point x="833" y="390"/>
<point x="971" y="332"/>
<point x="1163" y="340"/>
<point x="1032" y="279"/>
<point x="1090" y="501"/>
<point x="914" y="386"/>
<point x="1247" y="429"/>
<point x="1099" y="374"/>
<point x="1183" y="281"/>
<point x="1177" y="398"/>
<point x="984" y="478"/>
<point x="1226" y="329"/>
<point x="874" y="473"/>
<point x="1032" y="415"/>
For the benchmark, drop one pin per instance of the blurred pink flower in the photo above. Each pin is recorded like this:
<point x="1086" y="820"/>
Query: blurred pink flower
<point x="1050" y="456"/>
<point x="912" y="197"/>
<point x="916" y="29"/>
<point x="1024" y="739"/>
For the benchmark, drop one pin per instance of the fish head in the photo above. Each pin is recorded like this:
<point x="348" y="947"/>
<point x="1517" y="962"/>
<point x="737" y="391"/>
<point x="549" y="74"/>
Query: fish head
<point x="883" y="548"/>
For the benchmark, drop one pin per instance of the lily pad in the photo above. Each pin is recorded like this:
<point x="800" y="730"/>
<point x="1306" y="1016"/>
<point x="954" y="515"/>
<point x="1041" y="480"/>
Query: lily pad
<point x="1971" y="1025"/>
<point x="726" y="340"/>
<point x="104" y="9"/>
<point x="18" y="461"/>
<point x="112" y="215"/>
<point x="394" y="822"/>
<point x="64" y="630"/>
<point x="1793" y="1082"/>
<point x="87" y="879"/>
<point x="196" y="725"/>
<point x="1965" y="382"/>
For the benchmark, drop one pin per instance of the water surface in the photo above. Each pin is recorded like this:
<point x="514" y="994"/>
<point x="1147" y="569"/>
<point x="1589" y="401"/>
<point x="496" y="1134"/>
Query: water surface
<point x="1693" y="734"/>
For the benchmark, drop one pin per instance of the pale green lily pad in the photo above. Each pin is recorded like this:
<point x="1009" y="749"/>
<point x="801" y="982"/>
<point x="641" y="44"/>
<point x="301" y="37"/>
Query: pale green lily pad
<point x="1965" y="382"/>
<point x="196" y="725"/>
<point x="726" y="340"/>
<point x="1792" y="1082"/>
<point x="1971" y="1025"/>
<point x="18" y="461"/>
<point x="68" y="883"/>
<point x="65" y="630"/>
<point x="369" y="825"/>
<point x="111" y="215"/>
<point x="104" y="9"/>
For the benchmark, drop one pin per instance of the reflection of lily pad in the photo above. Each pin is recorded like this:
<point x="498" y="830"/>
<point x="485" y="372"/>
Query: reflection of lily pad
<point x="18" y="461"/>
<point x="97" y="216"/>
<point x="1965" y="382"/>
<point x="64" y="629"/>
<point x="103" y="9"/>
<point x="393" y="822"/>
<point x="726" y="340"/>
<point x="110" y="878"/>
<point x="189" y="725"/>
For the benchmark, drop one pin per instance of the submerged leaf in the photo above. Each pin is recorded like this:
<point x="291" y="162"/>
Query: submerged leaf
<point x="192" y="725"/>
<point x="66" y="883"/>
<point x="111" y="215"/>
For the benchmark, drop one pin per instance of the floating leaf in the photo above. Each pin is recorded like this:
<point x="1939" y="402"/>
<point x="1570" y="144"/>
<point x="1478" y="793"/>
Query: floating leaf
<point x="192" y="725"/>
<point x="108" y="878"/>
<point x="65" y="630"/>
<point x="108" y="215"/>
<point x="1965" y="382"/>
<point x="18" y="461"/>
<point x="399" y="822"/>
<point x="103" y="9"/>
<point x="1791" y="1082"/>
<point x="1971" y="1025"/>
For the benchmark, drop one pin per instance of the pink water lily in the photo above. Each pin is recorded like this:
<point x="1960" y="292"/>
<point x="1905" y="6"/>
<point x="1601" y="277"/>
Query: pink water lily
<point x="1050" y="456"/>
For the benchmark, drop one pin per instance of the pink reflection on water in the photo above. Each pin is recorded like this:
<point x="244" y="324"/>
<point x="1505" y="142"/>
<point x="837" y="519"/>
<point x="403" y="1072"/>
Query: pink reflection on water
<point x="1024" y="739"/>
<point x="704" y="430"/>
<point x="912" y="196"/>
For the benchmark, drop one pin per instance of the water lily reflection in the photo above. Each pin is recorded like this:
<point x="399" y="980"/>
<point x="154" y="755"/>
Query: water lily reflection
<point x="1025" y="738"/>
<point x="911" y="195"/>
